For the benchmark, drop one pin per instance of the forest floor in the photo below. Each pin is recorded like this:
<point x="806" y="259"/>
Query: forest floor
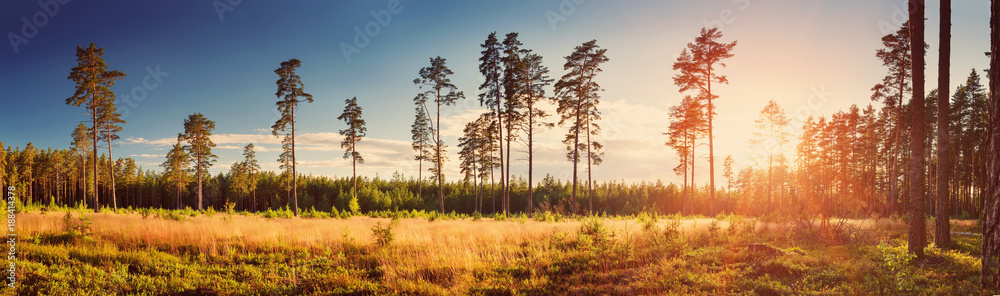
<point x="69" y="252"/>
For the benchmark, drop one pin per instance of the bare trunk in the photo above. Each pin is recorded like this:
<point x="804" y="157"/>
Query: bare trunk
<point x="111" y="164"/>
<point x="590" y="189"/>
<point x="711" y="149"/>
<point x="503" y="181"/>
<point x="531" y="127"/>
<point x="991" y="209"/>
<point x="93" y="116"/>
<point x="439" y="156"/>
<point x="918" y="233"/>
<point x="295" y="176"/>
<point x="942" y="232"/>
<point x="199" y="183"/>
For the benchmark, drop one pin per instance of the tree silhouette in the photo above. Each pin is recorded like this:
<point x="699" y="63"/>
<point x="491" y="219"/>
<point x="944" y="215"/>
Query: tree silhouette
<point x="918" y="235"/>
<point x="353" y="134"/>
<point x="577" y="98"/>
<point x="436" y="78"/>
<point x="771" y="130"/>
<point x="290" y="89"/>
<point x="696" y="64"/>
<point x="93" y="81"/>
<point x="687" y="125"/>
<point x="727" y="171"/>
<point x="896" y="57"/>
<point x="197" y="134"/>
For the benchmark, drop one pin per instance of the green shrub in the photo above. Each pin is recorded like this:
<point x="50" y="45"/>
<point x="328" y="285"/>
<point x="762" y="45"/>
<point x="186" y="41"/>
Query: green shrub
<point x="383" y="235"/>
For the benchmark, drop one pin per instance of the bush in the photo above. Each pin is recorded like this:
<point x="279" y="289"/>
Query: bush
<point x="383" y="235"/>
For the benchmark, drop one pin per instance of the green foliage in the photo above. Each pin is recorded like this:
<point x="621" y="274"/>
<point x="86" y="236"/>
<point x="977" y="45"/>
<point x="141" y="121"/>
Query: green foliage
<point x="353" y="206"/>
<point x="383" y="234"/>
<point x="896" y="260"/>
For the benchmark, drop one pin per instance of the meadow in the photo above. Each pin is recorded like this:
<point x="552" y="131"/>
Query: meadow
<point x="66" y="251"/>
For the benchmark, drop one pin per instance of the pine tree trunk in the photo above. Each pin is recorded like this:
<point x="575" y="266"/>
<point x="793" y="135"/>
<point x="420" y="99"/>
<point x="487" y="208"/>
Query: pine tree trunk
<point x="111" y="165"/>
<point x="942" y="232"/>
<point x="439" y="156"/>
<point x="295" y="176"/>
<point x="991" y="210"/>
<point x="917" y="235"/>
<point x="711" y="149"/>
<point x="93" y="116"/>
<point x="531" y="127"/>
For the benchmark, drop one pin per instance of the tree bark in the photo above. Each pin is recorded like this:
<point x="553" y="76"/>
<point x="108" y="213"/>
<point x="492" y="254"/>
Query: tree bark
<point x="991" y="208"/>
<point x="918" y="233"/>
<point x="942" y="232"/>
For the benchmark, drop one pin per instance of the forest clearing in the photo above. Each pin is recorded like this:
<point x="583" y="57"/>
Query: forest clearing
<point x="499" y="148"/>
<point x="178" y="252"/>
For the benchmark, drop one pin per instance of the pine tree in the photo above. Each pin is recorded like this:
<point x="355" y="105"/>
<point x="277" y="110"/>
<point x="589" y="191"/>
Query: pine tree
<point x="81" y="139"/>
<point x="490" y="68"/>
<point x="93" y="82"/>
<point x="197" y="134"/>
<point x="421" y="135"/>
<point x="290" y="90"/>
<point x="577" y="96"/>
<point x="697" y="63"/>
<point x="175" y="169"/>
<point x="534" y="77"/>
<point x="687" y="125"/>
<point x="436" y="78"/>
<point x="353" y="134"/>
<point x="771" y="132"/>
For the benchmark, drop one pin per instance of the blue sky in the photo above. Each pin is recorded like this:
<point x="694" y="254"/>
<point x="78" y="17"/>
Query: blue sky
<point x="812" y="57"/>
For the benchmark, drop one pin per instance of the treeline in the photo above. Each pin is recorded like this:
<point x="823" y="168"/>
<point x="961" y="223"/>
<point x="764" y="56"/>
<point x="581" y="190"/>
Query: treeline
<point x="846" y="163"/>
<point x="55" y="176"/>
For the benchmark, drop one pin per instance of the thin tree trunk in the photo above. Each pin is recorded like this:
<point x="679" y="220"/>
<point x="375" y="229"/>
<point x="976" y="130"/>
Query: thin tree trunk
<point x="576" y="153"/>
<point x="506" y="195"/>
<point x="437" y="131"/>
<point x="590" y="157"/>
<point x="199" y="183"/>
<point x="711" y="149"/>
<point x="111" y="165"/>
<point x="503" y="182"/>
<point x="942" y="233"/>
<point x="295" y="176"/>
<point x="93" y="116"/>
<point x="531" y="127"/>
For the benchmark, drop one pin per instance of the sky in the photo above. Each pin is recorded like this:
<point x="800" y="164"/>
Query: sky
<point x="218" y="58"/>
